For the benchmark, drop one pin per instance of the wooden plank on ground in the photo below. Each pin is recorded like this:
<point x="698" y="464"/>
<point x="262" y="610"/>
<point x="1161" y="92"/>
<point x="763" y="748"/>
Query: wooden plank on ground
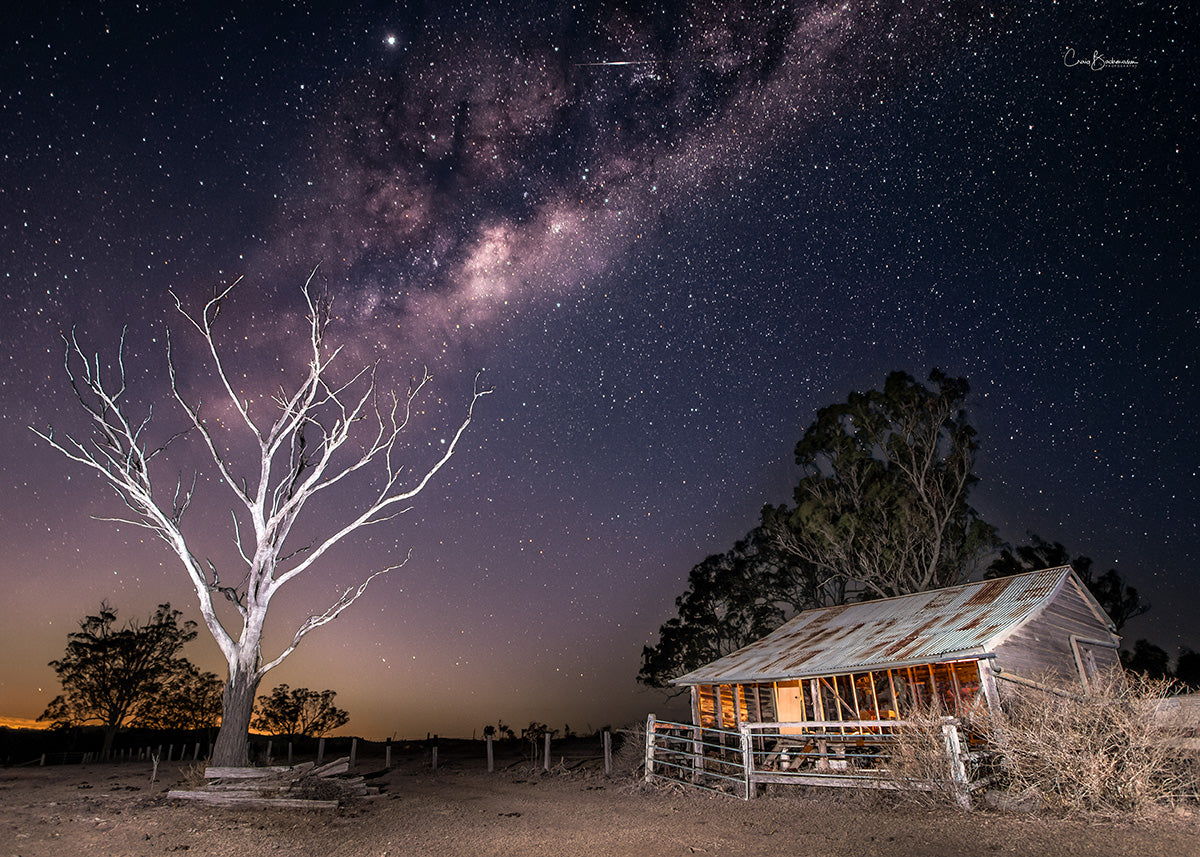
<point x="230" y="773"/>
<point x="337" y="766"/>
<point x="250" y="799"/>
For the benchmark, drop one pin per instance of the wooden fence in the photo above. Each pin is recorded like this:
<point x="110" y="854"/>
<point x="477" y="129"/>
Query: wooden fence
<point x="798" y="753"/>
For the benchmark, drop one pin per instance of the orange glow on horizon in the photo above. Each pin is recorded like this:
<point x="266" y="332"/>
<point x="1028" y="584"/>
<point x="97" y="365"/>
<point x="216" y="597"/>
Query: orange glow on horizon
<point x="22" y="723"/>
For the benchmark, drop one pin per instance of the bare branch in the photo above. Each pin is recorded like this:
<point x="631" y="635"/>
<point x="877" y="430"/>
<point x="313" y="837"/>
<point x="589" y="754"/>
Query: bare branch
<point x="351" y="595"/>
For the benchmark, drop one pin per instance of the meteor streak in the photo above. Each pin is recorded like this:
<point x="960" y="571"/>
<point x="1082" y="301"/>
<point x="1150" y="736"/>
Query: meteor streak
<point x="619" y="62"/>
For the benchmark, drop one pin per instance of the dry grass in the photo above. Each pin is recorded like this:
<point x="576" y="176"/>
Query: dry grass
<point x="919" y="766"/>
<point x="1105" y="754"/>
<point x="629" y="758"/>
<point x="192" y="776"/>
<point x="1120" y="752"/>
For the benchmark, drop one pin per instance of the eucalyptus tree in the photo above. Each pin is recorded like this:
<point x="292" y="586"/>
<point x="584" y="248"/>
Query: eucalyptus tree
<point x="109" y="672"/>
<point x="881" y="509"/>
<point x="299" y="712"/>
<point x="327" y="429"/>
<point x="882" y="506"/>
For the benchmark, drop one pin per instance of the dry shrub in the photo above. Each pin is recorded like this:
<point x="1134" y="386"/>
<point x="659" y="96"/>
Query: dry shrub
<point x="192" y="776"/>
<point x="629" y="757"/>
<point x="918" y="765"/>
<point x="1109" y="753"/>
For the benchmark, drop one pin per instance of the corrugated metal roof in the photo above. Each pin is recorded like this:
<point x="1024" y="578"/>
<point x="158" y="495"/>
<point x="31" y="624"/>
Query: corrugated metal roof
<point x="924" y="627"/>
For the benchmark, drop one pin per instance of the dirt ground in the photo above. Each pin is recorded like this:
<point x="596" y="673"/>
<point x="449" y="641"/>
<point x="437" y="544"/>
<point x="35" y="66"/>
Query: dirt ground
<point x="114" y="810"/>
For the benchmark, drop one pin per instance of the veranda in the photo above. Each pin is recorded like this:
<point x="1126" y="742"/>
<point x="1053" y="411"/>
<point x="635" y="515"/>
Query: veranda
<point x="835" y="730"/>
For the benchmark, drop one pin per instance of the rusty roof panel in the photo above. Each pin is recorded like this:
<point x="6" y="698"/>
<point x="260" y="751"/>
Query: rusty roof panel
<point x="957" y="621"/>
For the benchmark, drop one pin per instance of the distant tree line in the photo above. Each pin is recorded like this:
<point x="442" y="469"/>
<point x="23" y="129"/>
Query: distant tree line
<point x="881" y="509"/>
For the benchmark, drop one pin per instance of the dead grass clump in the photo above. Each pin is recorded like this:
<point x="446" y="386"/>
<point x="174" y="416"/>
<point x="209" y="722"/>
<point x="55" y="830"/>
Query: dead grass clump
<point x="192" y="776"/>
<point x="1108" y="753"/>
<point x="629" y="757"/>
<point x="918" y="764"/>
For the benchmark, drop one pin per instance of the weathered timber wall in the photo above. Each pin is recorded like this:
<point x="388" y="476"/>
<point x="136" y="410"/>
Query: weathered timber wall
<point x="1041" y="648"/>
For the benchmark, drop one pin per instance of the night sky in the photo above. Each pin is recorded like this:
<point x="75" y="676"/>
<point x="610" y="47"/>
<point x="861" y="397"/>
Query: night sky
<point x="667" y="238"/>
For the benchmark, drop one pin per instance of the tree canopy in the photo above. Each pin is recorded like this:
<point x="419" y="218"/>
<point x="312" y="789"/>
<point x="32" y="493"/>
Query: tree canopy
<point x="298" y="712"/>
<point x="728" y="603"/>
<point x="186" y="699"/>
<point x="881" y="509"/>
<point x="108" y="671"/>
<point x="1120" y="600"/>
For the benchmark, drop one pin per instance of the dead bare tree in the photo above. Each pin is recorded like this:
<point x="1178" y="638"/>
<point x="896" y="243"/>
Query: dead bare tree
<point x="298" y="458"/>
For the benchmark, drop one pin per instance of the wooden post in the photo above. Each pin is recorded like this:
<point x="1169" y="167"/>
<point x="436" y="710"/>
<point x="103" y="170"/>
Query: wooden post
<point x="270" y="741"/>
<point x="546" y="755"/>
<point x="387" y="755"/>
<point x="42" y="763"/>
<point x="289" y="754"/>
<point x="320" y="752"/>
<point x="434" y="757"/>
<point x="490" y="757"/>
<point x="196" y="752"/>
<point x="353" y="752"/>
<point x="747" y="762"/>
<point x="649" y="747"/>
<point x="607" y="753"/>
<point x="958" y="768"/>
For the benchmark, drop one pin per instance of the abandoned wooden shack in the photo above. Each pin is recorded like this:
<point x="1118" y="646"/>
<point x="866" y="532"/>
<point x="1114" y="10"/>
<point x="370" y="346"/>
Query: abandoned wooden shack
<point x="839" y="681"/>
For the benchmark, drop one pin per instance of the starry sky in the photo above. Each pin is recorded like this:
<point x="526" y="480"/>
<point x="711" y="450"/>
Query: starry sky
<point x="667" y="237"/>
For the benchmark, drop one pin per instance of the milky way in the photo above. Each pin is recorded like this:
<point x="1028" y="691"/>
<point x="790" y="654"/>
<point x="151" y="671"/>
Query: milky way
<point x="487" y="169"/>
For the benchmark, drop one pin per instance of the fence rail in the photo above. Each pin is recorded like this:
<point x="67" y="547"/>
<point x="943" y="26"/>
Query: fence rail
<point x="797" y="753"/>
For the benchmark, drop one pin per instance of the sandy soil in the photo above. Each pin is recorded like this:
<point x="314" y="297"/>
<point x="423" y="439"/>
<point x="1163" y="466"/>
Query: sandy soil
<point x="461" y="809"/>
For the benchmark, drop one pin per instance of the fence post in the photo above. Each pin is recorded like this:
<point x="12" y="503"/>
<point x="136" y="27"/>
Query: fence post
<point x="607" y="753"/>
<point x="353" y="752"/>
<point x="649" y="747"/>
<point x="320" y="751"/>
<point x="747" y="762"/>
<point x="270" y="741"/>
<point x="958" y="768"/>
<point x="491" y="758"/>
<point x="387" y="755"/>
<point x="546" y="760"/>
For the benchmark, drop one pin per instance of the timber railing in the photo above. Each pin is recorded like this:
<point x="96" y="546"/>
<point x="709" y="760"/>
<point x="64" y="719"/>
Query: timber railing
<point x="710" y="759"/>
<point x="826" y="753"/>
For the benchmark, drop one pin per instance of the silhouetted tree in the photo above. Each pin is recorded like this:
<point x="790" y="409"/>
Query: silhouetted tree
<point x="881" y="509"/>
<point x="1147" y="658"/>
<point x="107" y="672"/>
<point x="1120" y="601"/>
<point x="1187" y="668"/>
<point x="299" y="713"/>
<point x="186" y="699"/>
<point x="732" y="599"/>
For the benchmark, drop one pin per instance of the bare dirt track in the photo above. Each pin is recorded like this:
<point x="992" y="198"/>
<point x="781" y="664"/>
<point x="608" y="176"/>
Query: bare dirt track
<point x="114" y="810"/>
